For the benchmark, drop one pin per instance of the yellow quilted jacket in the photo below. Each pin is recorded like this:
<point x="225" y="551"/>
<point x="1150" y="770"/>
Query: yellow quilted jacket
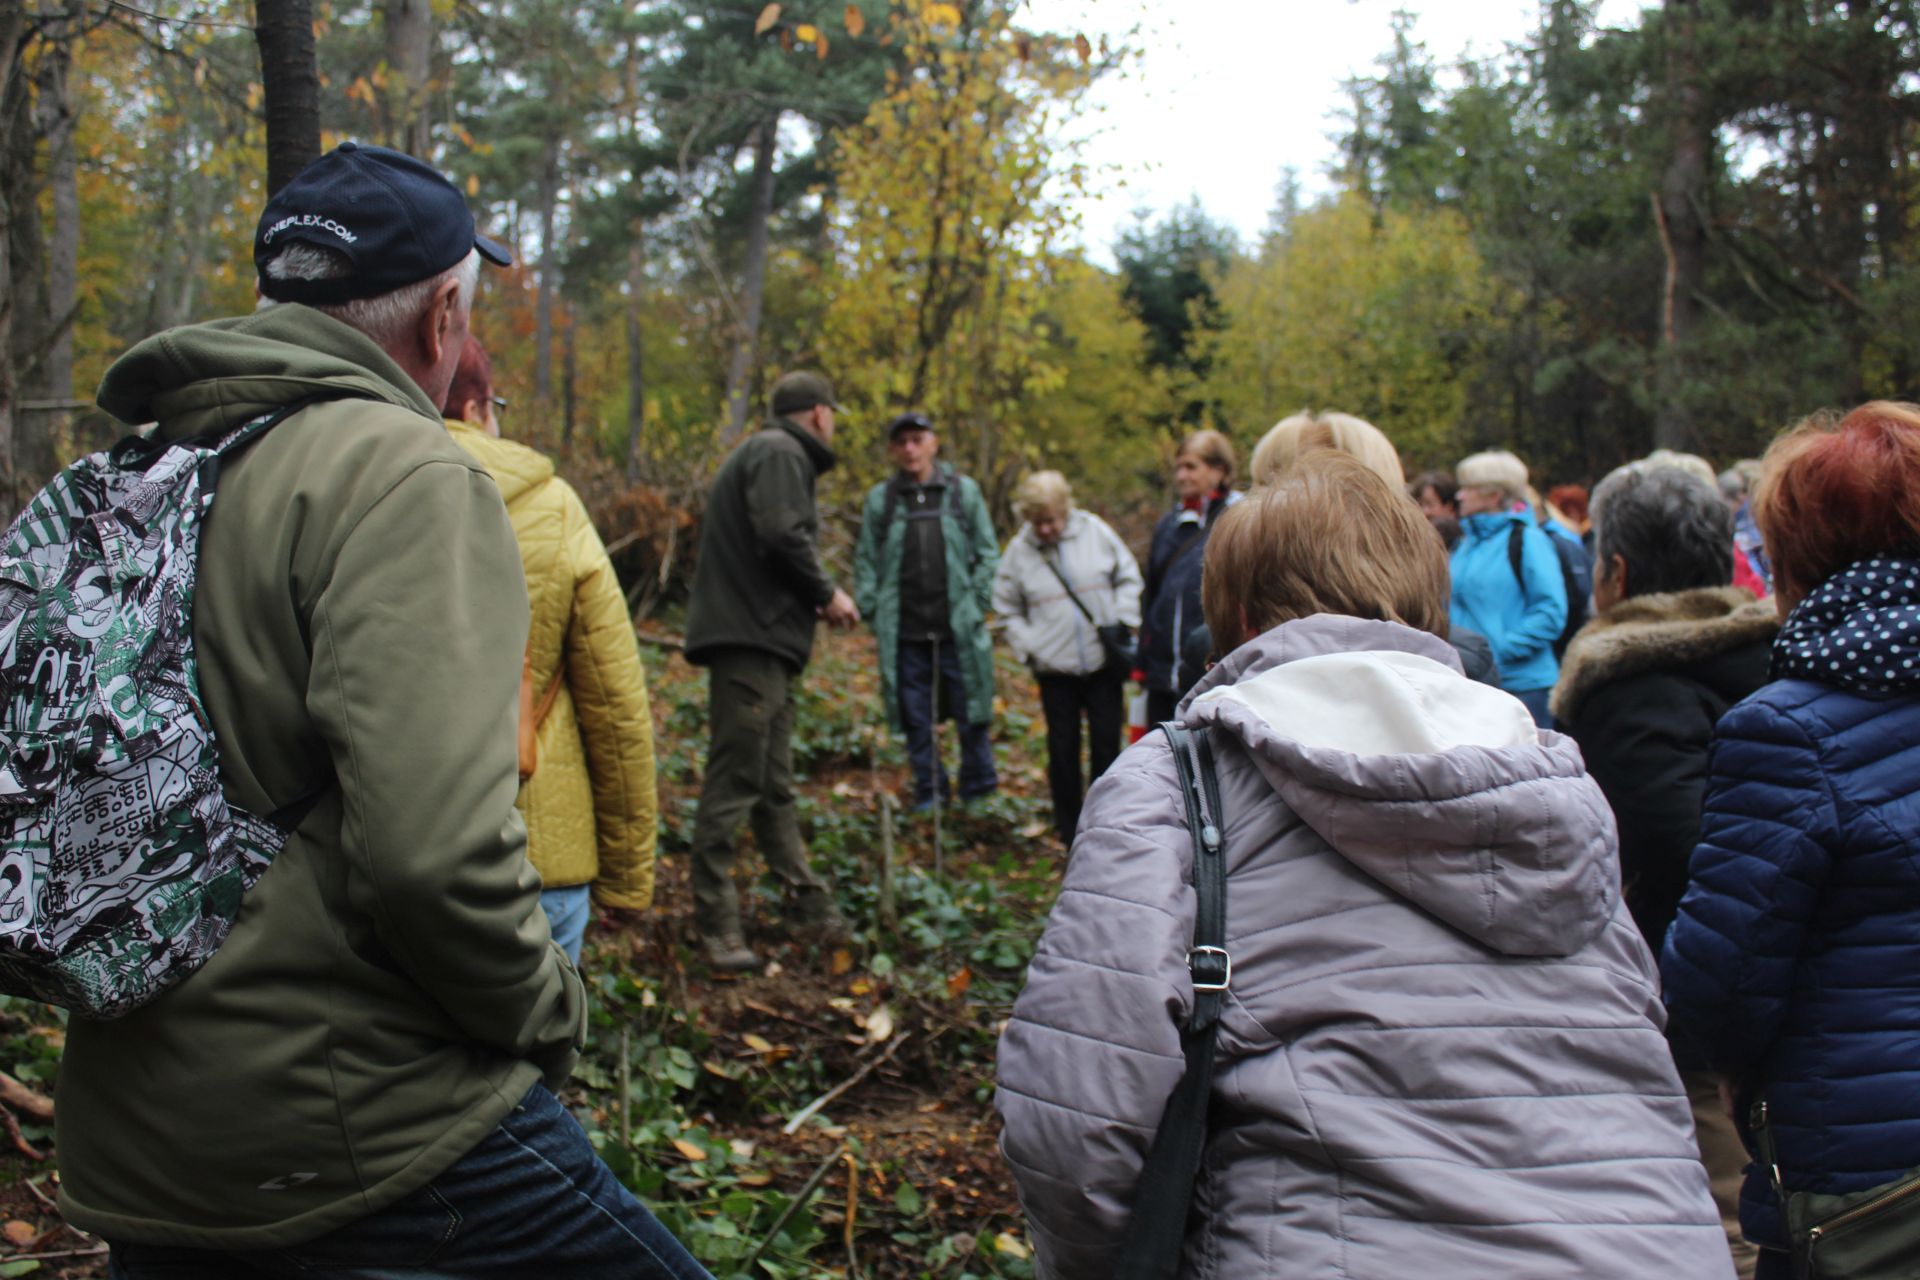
<point x="590" y="807"/>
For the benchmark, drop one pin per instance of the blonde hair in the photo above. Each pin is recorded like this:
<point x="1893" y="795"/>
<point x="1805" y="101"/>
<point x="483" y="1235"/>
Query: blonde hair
<point x="1043" y="491"/>
<point x="1329" y="536"/>
<point x="1293" y="437"/>
<point x="1211" y="448"/>
<point x="1494" y="469"/>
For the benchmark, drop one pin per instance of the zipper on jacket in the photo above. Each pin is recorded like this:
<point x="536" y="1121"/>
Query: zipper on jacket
<point x="1842" y="1220"/>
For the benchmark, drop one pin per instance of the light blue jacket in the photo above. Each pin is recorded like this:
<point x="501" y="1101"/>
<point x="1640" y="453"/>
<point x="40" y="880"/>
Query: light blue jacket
<point x="1487" y="596"/>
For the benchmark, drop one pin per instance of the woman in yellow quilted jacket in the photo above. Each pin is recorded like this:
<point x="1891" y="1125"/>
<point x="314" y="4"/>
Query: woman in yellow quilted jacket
<point x="589" y="800"/>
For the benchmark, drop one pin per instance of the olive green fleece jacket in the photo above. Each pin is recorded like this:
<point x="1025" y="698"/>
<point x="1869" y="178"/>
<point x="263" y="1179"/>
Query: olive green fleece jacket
<point x="389" y="990"/>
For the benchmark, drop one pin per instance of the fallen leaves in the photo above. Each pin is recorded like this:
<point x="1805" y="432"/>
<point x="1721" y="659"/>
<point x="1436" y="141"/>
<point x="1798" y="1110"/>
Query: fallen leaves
<point x="19" y="1233"/>
<point x="691" y="1150"/>
<point x="768" y="16"/>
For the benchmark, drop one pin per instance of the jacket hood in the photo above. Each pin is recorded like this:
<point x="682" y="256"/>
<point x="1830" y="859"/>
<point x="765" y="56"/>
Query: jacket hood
<point x="819" y="453"/>
<point x="1859" y="630"/>
<point x="517" y="469"/>
<point x="1438" y="788"/>
<point x="1654" y="632"/>
<point x="208" y="377"/>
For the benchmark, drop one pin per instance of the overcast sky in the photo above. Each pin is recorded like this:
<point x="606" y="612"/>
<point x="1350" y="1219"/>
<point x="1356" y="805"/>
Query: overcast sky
<point x="1228" y="93"/>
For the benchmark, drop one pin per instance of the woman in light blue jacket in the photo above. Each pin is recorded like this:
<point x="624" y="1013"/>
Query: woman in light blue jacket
<point x="1506" y="578"/>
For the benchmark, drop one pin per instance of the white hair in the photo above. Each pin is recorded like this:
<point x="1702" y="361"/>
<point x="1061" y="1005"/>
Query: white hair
<point x="1496" y="469"/>
<point x="385" y="318"/>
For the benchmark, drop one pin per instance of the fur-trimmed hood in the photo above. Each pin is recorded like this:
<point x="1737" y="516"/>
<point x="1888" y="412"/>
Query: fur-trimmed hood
<point x="1669" y="629"/>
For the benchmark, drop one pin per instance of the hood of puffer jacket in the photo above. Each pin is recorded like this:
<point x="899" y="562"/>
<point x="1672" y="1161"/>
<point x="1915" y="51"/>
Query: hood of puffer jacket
<point x="213" y="376"/>
<point x="1439" y="788"/>
<point x="517" y="469"/>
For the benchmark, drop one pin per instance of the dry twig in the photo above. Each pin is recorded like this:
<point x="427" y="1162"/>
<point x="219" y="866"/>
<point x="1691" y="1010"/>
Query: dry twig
<point x="806" y="1113"/>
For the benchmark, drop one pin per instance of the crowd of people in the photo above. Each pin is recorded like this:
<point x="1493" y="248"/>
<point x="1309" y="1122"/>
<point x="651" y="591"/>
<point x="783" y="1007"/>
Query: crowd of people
<point x="1569" y="900"/>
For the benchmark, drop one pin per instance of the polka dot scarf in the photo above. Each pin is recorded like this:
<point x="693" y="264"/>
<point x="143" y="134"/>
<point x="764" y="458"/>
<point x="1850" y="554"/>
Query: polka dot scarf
<point x="1859" y="630"/>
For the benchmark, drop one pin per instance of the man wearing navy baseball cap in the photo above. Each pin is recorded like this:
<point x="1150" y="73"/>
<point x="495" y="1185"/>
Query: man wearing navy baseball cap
<point x="361" y="1079"/>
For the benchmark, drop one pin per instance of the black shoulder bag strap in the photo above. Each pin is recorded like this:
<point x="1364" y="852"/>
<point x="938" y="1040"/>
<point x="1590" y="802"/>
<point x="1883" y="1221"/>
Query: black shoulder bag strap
<point x="1157" y="1230"/>
<point x="1053" y="562"/>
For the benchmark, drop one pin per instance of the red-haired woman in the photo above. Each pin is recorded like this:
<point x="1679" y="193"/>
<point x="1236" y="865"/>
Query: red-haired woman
<point x="1794" y="965"/>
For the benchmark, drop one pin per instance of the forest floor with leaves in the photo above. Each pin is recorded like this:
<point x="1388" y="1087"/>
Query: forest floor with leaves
<point x="692" y="1082"/>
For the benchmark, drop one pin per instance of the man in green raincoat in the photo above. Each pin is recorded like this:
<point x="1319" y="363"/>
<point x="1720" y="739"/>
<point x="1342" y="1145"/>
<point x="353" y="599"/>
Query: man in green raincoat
<point x="923" y="574"/>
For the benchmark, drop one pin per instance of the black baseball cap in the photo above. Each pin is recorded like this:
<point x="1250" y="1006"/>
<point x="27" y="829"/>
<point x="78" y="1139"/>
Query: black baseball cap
<point x="908" y="422"/>
<point x="397" y="220"/>
<point x="799" y="391"/>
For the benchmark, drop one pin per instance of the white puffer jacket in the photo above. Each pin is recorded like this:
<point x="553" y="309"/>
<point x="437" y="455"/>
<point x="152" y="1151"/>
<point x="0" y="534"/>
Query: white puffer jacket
<point x="1044" y="627"/>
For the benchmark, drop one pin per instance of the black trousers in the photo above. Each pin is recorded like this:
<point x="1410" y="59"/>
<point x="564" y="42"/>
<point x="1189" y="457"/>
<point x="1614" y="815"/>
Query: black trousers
<point x="1160" y="706"/>
<point x="1064" y="700"/>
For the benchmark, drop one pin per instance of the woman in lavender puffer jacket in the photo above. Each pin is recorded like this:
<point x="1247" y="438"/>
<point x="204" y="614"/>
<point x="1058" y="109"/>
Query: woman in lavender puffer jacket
<point x="1441" y="1053"/>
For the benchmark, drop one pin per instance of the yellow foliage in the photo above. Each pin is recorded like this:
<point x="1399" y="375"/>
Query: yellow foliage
<point x="1380" y="315"/>
<point x="945" y="214"/>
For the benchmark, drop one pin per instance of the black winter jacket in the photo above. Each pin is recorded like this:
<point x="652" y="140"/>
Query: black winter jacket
<point x="1641" y="688"/>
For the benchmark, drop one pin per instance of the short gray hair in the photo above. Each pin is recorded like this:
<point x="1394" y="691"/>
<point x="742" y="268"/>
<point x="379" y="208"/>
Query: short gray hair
<point x="1496" y="469"/>
<point x="1673" y="529"/>
<point x="1733" y="485"/>
<point x="1043" y="492"/>
<point x="384" y="318"/>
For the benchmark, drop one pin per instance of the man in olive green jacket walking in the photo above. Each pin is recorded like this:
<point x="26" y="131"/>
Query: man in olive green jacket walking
<point x="361" y="1077"/>
<point x="758" y="593"/>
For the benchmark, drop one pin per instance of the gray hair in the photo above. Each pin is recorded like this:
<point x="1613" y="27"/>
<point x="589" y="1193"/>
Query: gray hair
<point x="1673" y="529"/>
<point x="384" y="318"/>
<point x="1043" y="493"/>
<point x="1496" y="469"/>
<point x="1733" y="485"/>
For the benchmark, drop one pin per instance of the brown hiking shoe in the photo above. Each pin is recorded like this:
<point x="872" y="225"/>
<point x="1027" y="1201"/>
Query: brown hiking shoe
<point x="729" y="953"/>
<point x="813" y="910"/>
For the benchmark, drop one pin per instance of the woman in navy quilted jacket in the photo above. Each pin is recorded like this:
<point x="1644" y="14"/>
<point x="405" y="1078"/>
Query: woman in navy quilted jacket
<point x="1794" y="965"/>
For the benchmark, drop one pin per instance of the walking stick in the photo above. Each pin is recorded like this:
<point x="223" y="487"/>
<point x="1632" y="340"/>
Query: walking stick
<point x="939" y="766"/>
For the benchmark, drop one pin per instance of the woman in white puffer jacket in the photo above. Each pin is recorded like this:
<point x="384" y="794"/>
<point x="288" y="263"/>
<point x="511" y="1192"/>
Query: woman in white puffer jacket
<point x="1065" y="575"/>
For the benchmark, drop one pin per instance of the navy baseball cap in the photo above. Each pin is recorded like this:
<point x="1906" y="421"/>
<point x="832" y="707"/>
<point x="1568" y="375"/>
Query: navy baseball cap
<point x="397" y="220"/>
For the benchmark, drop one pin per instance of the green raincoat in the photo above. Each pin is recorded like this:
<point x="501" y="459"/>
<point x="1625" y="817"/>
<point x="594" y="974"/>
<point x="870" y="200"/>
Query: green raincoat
<point x="972" y="556"/>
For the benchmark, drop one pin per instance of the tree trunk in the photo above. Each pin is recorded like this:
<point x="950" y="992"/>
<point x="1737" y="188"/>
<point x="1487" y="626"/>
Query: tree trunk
<point x="290" y="76"/>
<point x="13" y="33"/>
<point x="636" y="369"/>
<point x="63" y="262"/>
<point x="568" y="372"/>
<point x="1683" y="230"/>
<point x="29" y="328"/>
<point x="754" y="285"/>
<point x="409" y="29"/>
<point x="543" y="303"/>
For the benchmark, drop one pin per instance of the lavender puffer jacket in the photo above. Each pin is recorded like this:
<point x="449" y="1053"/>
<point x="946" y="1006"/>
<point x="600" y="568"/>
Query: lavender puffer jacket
<point x="1441" y="1055"/>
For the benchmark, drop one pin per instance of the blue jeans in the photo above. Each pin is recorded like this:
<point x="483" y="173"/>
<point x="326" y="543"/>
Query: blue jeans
<point x="568" y="911"/>
<point x="532" y="1199"/>
<point x="914" y="676"/>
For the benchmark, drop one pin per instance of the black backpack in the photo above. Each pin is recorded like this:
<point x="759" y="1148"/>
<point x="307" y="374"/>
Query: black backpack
<point x="1575" y="575"/>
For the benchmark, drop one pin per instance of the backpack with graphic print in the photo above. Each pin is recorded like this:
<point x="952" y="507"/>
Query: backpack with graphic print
<point x="121" y="863"/>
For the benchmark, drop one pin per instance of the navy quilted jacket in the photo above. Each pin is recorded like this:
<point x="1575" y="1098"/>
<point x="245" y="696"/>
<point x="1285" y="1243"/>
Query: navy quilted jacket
<point x="1794" y="964"/>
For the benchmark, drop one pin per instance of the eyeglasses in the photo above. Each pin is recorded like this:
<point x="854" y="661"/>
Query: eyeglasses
<point x="499" y="405"/>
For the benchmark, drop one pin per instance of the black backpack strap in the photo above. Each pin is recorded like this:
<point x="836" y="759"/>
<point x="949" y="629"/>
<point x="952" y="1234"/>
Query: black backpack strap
<point x="1517" y="553"/>
<point x="1157" y="1229"/>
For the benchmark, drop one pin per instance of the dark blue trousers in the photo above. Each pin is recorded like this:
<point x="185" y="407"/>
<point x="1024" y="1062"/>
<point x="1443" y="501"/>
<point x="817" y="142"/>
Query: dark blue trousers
<point x="913" y="674"/>
<point x="531" y="1200"/>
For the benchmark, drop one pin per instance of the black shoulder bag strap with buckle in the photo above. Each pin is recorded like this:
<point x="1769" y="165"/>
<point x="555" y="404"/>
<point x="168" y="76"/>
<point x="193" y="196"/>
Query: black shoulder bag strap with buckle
<point x="1157" y="1230"/>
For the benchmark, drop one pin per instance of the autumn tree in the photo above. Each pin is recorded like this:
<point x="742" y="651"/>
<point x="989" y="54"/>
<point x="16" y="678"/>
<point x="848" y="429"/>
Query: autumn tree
<point x="946" y="201"/>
